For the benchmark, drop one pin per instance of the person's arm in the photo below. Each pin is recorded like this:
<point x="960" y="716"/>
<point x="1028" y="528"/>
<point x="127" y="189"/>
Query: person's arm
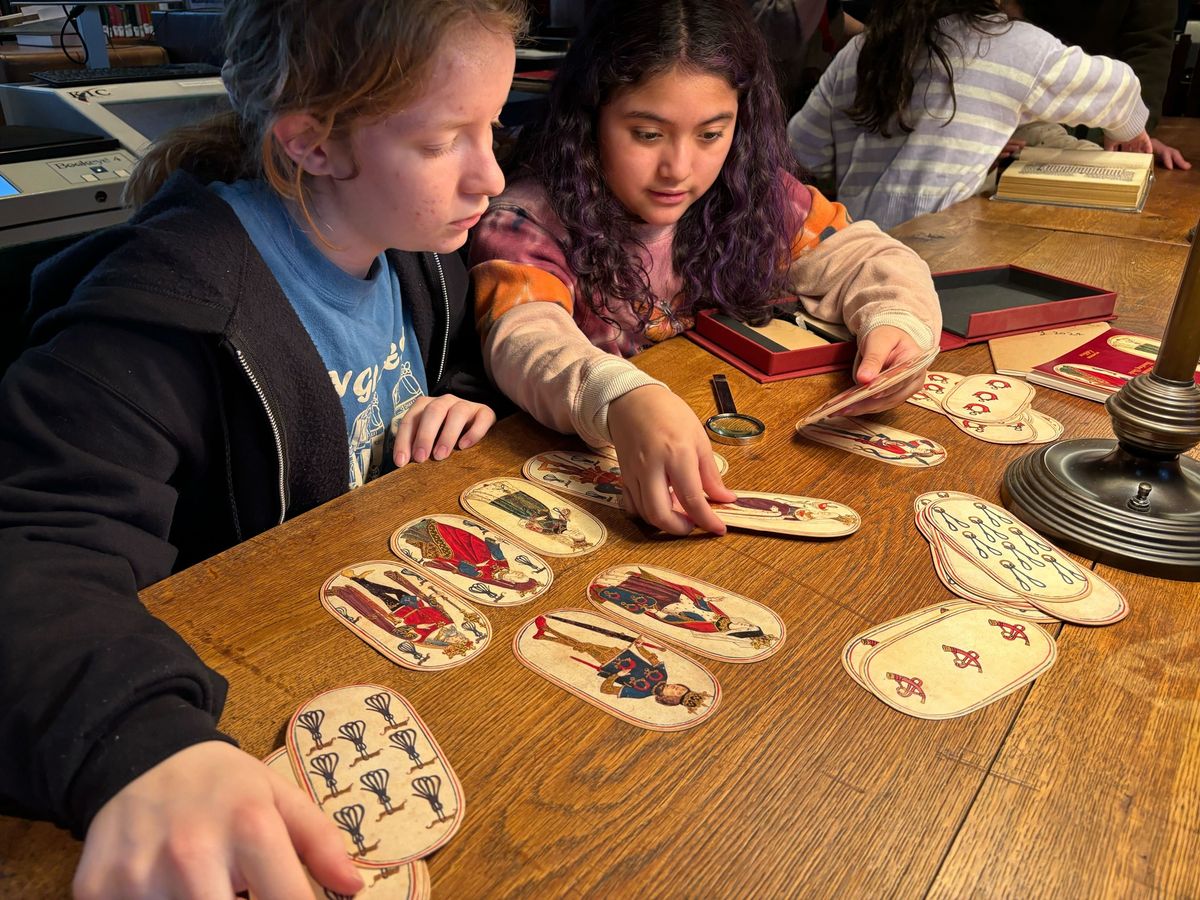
<point x="881" y="289"/>
<point x="537" y="355"/>
<point x="93" y="689"/>
<point x="532" y="348"/>
<point x="854" y="273"/>
<point x="1072" y="87"/>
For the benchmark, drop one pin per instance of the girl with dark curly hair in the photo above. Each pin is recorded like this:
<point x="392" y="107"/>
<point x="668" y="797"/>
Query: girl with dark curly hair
<point x="659" y="184"/>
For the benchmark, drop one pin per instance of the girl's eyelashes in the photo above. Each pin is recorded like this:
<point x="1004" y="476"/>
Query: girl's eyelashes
<point x="440" y="149"/>
<point x="646" y="136"/>
<point x="710" y="137"/>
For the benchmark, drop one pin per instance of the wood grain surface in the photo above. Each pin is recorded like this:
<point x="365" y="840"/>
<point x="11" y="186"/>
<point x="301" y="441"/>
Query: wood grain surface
<point x="801" y="784"/>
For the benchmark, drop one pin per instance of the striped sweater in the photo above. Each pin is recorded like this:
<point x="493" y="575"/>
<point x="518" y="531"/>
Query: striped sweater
<point x="1014" y="74"/>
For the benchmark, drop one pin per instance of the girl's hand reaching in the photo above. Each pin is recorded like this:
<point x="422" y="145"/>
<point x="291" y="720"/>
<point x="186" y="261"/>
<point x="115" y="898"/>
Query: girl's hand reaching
<point x="434" y="427"/>
<point x="662" y="448"/>
<point x="884" y="348"/>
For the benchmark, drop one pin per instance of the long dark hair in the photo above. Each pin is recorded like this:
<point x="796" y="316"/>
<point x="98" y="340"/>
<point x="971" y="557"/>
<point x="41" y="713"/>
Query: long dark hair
<point x="732" y="245"/>
<point x="904" y="37"/>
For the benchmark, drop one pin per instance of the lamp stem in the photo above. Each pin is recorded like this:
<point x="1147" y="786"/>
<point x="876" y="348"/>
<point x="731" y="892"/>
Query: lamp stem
<point x="1180" y="351"/>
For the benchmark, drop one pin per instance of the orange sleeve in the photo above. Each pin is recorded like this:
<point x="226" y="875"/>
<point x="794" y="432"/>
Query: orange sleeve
<point x="500" y="285"/>
<point x="825" y="218"/>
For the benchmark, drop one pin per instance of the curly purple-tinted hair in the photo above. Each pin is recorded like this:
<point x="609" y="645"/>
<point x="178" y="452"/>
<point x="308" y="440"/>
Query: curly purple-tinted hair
<point x="731" y="247"/>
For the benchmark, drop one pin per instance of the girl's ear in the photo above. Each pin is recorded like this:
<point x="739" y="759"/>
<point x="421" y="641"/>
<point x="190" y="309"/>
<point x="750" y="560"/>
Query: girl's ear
<point x="306" y="142"/>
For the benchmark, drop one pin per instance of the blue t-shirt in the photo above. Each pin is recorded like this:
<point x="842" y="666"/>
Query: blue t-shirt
<point x="359" y="325"/>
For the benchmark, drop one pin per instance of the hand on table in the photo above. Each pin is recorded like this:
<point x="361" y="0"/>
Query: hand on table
<point x="205" y="823"/>
<point x="662" y="447"/>
<point x="884" y="348"/>
<point x="1139" y="144"/>
<point x="1168" y="157"/>
<point x="434" y="427"/>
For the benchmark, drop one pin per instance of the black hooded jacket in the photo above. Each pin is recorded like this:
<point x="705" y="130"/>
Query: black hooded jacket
<point x="171" y="405"/>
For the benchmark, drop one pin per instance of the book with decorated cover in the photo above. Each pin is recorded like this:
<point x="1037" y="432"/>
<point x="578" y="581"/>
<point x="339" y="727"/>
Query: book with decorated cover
<point x="1101" y="367"/>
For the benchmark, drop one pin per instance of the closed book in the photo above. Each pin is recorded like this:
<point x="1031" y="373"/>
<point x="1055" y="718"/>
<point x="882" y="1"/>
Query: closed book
<point x="1017" y="354"/>
<point x="1101" y="367"/>
<point x="1093" y="178"/>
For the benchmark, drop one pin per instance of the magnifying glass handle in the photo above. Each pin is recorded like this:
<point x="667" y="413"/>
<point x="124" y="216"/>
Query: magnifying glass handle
<point x="723" y="395"/>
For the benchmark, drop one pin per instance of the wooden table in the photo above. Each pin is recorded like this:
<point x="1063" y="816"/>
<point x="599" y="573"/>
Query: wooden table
<point x="1086" y="783"/>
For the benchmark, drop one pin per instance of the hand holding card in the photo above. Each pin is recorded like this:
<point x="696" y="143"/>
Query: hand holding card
<point x="902" y="376"/>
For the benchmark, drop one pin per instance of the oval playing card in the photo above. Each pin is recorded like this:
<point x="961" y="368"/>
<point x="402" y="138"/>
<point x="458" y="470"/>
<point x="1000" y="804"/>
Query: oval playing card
<point x="988" y="398"/>
<point x="610" y="666"/>
<point x="856" y="649"/>
<point x="405" y="616"/>
<point x="1045" y="428"/>
<point x="1014" y="556"/>
<point x="876" y="441"/>
<point x="534" y="516"/>
<point x="407" y="882"/>
<point x="1020" y="431"/>
<point x="365" y="757"/>
<point x="788" y="514"/>
<point x="956" y="663"/>
<point x="482" y="565"/>
<point x="884" y="380"/>
<point x="608" y="451"/>
<point x="937" y="385"/>
<point x="592" y="476"/>
<point x="708" y="620"/>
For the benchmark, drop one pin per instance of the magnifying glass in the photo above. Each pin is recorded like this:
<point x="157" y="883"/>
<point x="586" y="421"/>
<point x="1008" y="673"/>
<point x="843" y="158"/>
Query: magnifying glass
<point x="729" y="426"/>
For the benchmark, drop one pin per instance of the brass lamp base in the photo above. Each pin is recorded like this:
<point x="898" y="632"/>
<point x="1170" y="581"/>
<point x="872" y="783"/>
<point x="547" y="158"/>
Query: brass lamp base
<point x="1138" y="513"/>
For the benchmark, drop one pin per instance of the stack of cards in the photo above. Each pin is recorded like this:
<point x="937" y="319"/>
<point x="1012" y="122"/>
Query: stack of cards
<point x="983" y="553"/>
<point x="886" y="380"/>
<point x="365" y="758"/>
<point x="947" y="660"/>
<point x="992" y="408"/>
<point x="620" y="661"/>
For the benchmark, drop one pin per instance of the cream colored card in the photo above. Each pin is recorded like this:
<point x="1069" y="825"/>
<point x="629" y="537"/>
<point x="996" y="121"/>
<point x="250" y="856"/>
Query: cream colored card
<point x="937" y="386"/>
<point x="481" y="564"/>
<point x="627" y="675"/>
<point x="1045" y="428"/>
<point x="1020" y="353"/>
<point x="534" y="516"/>
<point x="593" y="476"/>
<point x="1016" y="558"/>
<point x="1021" y="431"/>
<point x="956" y="663"/>
<point x="365" y="757"/>
<point x="405" y="616"/>
<point x="1103" y="605"/>
<point x="708" y="620"/>
<point x="876" y="441"/>
<point x="610" y="452"/>
<point x="788" y="514"/>
<point x="857" y="648"/>
<point x="989" y="399"/>
<point x="407" y="882"/>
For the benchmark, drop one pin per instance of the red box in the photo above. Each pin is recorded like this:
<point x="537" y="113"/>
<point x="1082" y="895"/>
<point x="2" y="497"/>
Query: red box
<point x="977" y="305"/>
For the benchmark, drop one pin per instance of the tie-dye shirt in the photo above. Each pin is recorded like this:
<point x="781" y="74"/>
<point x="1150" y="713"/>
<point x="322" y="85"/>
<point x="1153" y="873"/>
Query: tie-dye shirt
<point x="564" y="364"/>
